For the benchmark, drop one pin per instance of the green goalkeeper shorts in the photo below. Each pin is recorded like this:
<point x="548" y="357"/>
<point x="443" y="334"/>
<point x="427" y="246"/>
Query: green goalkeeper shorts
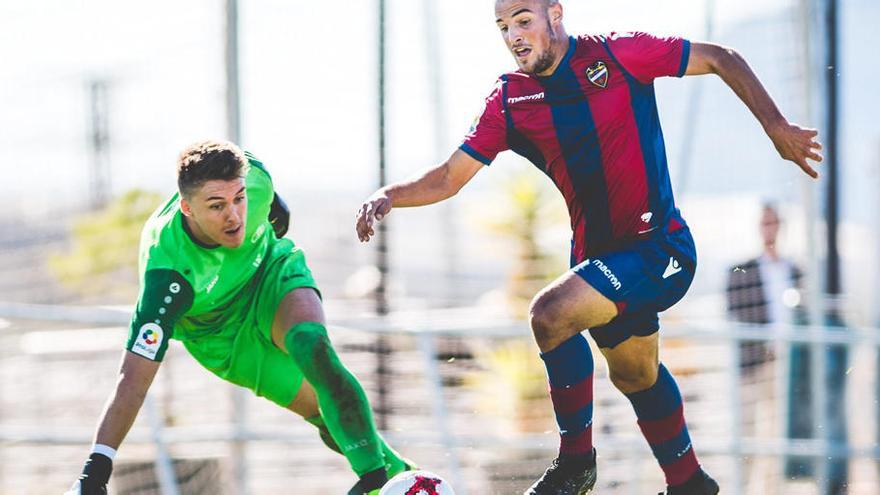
<point x="239" y="347"/>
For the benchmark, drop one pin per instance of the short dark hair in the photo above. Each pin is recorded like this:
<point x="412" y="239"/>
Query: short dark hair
<point x="209" y="160"/>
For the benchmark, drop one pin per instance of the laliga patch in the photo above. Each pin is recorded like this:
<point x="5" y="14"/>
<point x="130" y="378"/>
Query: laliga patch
<point x="598" y="74"/>
<point x="148" y="341"/>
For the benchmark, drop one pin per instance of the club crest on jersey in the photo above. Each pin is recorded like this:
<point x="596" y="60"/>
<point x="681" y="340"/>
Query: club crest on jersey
<point x="598" y="74"/>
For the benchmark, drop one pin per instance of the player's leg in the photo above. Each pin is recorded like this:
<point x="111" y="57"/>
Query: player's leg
<point x="565" y="308"/>
<point x="557" y="316"/>
<point x="298" y="328"/>
<point x="650" y="277"/>
<point x="635" y="369"/>
<point x="305" y="404"/>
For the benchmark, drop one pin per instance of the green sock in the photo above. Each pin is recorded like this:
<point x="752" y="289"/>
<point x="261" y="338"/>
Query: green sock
<point x="394" y="463"/>
<point x="341" y="398"/>
<point x="326" y="437"/>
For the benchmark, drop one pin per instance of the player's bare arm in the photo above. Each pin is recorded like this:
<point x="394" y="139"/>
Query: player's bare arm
<point x="135" y="377"/>
<point x="437" y="184"/>
<point x="793" y="142"/>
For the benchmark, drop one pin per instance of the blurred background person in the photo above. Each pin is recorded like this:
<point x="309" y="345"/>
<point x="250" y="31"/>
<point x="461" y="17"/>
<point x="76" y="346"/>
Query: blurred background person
<point x="766" y="291"/>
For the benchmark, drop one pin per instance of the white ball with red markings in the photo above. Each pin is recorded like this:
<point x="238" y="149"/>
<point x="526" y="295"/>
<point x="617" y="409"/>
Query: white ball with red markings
<point x="417" y="483"/>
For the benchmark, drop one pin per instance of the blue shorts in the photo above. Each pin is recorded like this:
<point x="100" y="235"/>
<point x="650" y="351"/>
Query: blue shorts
<point x="642" y="279"/>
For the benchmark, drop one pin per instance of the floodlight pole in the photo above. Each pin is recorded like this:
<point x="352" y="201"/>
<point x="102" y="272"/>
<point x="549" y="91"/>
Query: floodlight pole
<point x="233" y="133"/>
<point x="815" y="276"/>
<point x="832" y="73"/>
<point x="382" y="239"/>
<point x="99" y="139"/>
<point x="381" y="299"/>
<point x="434" y="66"/>
<point x="834" y="479"/>
<point x="233" y="96"/>
<point x="692" y="112"/>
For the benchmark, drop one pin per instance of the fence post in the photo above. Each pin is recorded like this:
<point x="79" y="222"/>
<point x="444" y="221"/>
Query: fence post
<point x="782" y="386"/>
<point x="438" y="408"/>
<point x="164" y="465"/>
<point x="736" y="413"/>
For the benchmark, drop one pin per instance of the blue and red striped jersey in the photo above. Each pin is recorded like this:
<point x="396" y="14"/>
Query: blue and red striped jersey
<point x="593" y="128"/>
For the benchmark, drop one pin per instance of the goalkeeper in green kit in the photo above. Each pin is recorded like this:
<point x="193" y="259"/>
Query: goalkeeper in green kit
<point x="217" y="275"/>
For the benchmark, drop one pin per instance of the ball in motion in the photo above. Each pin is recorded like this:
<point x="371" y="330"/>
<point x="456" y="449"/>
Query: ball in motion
<point x="417" y="483"/>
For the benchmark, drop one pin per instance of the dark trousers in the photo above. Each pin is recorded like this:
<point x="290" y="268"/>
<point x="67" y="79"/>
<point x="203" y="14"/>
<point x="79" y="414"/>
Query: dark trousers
<point x="801" y="424"/>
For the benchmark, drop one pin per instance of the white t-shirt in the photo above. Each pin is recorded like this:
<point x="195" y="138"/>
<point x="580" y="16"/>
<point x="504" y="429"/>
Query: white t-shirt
<point x="776" y="279"/>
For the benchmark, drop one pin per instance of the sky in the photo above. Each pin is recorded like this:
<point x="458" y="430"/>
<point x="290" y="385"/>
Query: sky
<point x="309" y="75"/>
<point x="309" y="102"/>
<point x="308" y="80"/>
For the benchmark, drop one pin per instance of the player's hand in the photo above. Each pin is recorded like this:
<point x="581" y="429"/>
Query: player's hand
<point x="94" y="477"/>
<point x="797" y="144"/>
<point x="371" y="212"/>
<point x="279" y="216"/>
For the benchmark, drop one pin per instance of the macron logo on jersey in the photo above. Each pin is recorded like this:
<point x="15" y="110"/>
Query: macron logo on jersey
<point x="534" y="97"/>
<point x="148" y="341"/>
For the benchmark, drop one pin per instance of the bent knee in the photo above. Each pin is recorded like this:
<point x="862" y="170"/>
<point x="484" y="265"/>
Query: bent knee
<point x="542" y="313"/>
<point x="548" y="318"/>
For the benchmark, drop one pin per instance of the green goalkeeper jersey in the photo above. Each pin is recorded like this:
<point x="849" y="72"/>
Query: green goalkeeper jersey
<point x="188" y="290"/>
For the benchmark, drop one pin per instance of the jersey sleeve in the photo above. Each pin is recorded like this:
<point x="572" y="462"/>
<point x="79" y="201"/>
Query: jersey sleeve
<point x="165" y="297"/>
<point x="648" y="57"/>
<point x="488" y="135"/>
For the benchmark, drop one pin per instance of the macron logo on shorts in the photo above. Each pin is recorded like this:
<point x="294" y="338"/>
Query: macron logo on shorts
<point x="608" y="274"/>
<point x="673" y="268"/>
<point x="148" y="341"/>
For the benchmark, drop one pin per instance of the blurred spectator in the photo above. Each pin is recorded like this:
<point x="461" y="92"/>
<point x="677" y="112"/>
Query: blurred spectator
<point x="766" y="291"/>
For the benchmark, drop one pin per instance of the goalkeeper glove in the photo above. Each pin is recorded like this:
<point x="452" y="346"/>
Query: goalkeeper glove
<point x="94" y="478"/>
<point x="279" y="216"/>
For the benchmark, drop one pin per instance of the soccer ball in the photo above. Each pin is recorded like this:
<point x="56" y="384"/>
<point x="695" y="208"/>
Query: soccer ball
<point x="417" y="483"/>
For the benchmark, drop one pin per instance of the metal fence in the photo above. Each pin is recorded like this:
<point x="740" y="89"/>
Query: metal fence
<point x="465" y="397"/>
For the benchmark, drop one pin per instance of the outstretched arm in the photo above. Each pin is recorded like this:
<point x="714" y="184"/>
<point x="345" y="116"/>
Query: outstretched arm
<point x="437" y="184"/>
<point x="135" y="376"/>
<point x="793" y="142"/>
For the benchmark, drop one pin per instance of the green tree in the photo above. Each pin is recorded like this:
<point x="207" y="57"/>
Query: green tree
<point x="529" y="204"/>
<point x="103" y="257"/>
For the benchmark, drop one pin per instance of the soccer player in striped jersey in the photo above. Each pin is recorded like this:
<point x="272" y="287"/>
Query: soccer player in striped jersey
<point x="218" y="275"/>
<point x="582" y="109"/>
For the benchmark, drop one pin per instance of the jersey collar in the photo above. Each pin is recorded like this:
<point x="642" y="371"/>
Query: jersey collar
<point x="192" y="237"/>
